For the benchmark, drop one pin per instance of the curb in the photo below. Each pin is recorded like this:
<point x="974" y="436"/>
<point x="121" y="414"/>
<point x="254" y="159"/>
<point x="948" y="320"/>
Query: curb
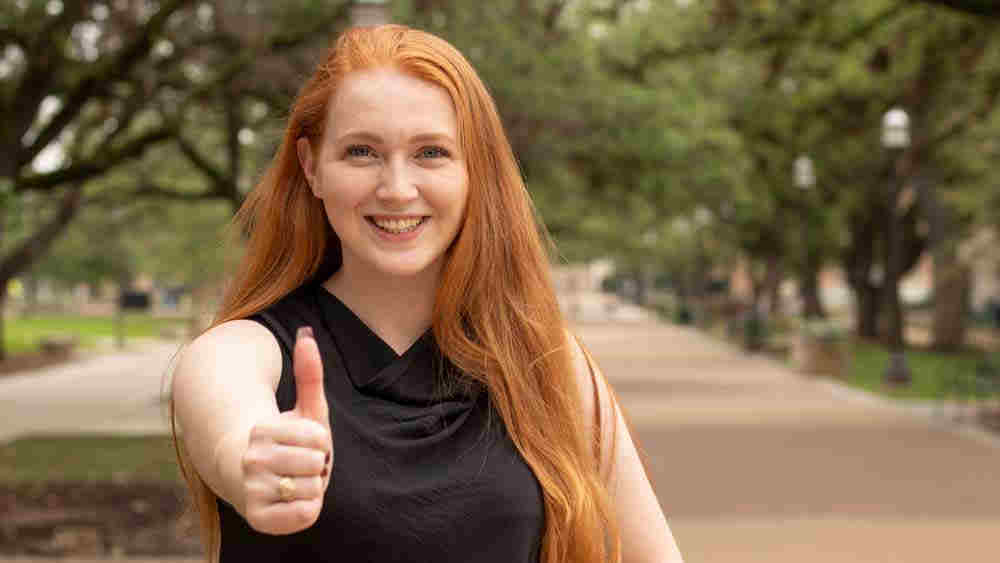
<point x="940" y="415"/>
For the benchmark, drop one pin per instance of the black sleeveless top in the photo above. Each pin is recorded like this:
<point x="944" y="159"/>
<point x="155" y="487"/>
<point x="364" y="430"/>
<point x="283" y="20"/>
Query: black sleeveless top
<point x="423" y="469"/>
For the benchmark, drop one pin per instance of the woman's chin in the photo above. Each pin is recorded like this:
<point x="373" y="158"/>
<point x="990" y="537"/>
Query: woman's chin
<point x="404" y="268"/>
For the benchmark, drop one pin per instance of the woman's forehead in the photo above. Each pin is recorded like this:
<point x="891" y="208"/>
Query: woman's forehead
<point x="389" y="99"/>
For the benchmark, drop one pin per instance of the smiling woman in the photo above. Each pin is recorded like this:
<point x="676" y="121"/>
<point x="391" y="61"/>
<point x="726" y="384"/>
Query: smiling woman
<point x="389" y="377"/>
<point x="391" y="177"/>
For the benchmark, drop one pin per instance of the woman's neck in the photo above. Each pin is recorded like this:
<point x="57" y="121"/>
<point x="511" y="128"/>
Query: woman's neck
<point x="397" y="309"/>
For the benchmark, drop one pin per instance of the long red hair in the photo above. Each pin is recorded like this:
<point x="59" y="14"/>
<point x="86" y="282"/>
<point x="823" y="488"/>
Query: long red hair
<point x="495" y="317"/>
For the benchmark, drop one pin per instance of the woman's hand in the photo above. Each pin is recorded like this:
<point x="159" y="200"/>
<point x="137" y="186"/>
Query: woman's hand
<point x="287" y="464"/>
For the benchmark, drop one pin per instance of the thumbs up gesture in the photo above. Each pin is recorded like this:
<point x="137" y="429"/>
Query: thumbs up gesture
<point x="287" y="464"/>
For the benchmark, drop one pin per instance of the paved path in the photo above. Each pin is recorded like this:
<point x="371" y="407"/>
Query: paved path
<point x="751" y="462"/>
<point x="117" y="392"/>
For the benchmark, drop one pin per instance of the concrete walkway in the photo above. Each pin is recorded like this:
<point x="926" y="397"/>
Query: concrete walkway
<point x="118" y="392"/>
<point x="750" y="461"/>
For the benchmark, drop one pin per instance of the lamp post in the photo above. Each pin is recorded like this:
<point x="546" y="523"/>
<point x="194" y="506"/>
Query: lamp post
<point x="117" y="215"/>
<point x="805" y="179"/>
<point x="369" y="12"/>
<point x="895" y="139"/>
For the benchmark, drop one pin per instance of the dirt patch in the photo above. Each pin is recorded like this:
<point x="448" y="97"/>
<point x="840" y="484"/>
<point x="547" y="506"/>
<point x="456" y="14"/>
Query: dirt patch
<point x="30" y="361"/>
<point x="96" y="519"/>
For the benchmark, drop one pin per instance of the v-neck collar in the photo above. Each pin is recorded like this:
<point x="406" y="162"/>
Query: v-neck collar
<point x="369" y="361"/>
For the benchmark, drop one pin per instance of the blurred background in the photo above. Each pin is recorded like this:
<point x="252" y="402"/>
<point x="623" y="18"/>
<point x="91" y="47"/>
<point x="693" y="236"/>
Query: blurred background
<point x="776" y="224"/>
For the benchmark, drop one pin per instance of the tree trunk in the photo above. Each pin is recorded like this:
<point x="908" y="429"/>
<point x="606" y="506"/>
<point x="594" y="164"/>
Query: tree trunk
<point x="812" y="306"/>
<point x="893" y="304"/>
<point x="31" y="295"/>
<point x="3" y="311"/>
<point x="858" y="261"/>
<point x="772" y="285"/>
<point x="952" y="279"/>
<point x="867" y="308"/>
<point x="28" y="252"/>
<point x="952" y="290"/>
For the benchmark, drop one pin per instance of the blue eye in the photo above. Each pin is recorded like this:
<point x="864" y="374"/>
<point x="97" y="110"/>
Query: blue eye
<point x="432" y="152"/>
<point x="359" y="151"/>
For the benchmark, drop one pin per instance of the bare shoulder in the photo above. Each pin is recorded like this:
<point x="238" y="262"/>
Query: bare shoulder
<point x="645" y="534"/>
<point x="594" y="394"/>
<point x="241" y="349"/>
<point x="588" y="377"/>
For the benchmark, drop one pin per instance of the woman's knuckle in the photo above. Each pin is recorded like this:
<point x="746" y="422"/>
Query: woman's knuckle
<point x="256" y="490"/>
<point x="316" y="434"/>
<point x="317" y="460"/>
<point x="253" y="459"/>
<point x="259" y="432"/>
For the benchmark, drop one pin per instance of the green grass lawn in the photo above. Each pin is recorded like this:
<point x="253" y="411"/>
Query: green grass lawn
<point x="933" y="373"/>
<point x="89" y="458"/>
<point x="21" y="335"/>
<point x="936" y="375"/>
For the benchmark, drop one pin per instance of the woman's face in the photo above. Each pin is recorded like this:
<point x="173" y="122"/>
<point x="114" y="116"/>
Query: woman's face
<point x="390" y="172"/>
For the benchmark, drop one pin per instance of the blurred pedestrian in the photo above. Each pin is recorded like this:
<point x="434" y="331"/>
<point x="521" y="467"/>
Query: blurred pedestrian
<point x="389" y="377"/>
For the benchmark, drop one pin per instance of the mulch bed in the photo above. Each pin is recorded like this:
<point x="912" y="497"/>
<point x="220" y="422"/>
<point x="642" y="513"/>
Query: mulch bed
<point x="96" y="519"/>
<point x="30" y="361"/>
<point x="990" y="419"/>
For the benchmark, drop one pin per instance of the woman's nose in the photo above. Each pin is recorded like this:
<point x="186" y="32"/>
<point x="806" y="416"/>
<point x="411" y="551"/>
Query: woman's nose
<point x="396" y="182"/>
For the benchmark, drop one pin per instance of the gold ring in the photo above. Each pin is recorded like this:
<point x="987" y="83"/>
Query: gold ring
<point x="286" y="488"/>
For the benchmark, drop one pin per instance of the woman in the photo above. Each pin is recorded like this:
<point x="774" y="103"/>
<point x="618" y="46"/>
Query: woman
<point x="432" y="406"/>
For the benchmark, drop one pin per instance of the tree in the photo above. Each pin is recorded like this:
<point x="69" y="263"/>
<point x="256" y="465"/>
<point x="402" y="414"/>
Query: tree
<point x="88" y="89"/>
<point x="816" y="79"/>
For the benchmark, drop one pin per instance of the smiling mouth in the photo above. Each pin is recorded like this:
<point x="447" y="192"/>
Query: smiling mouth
<point x="397" y="225"/>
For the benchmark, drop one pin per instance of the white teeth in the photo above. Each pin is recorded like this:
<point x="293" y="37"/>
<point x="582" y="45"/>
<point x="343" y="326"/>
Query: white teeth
<point x="398" y="225"/>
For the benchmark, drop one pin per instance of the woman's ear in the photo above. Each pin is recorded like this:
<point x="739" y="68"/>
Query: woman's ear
<point x="304" y="150"/>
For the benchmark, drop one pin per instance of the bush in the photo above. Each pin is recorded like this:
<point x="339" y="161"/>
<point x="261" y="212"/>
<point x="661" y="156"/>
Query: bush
<point x="683" y="315"/>
<point x="824" y="330"/>
<point x="754" y="331"/>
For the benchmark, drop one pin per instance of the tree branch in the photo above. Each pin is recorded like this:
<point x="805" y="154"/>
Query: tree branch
<point x="285" y="41"/>
<point x="10" y="35"/>
<point x="988" y="8"/>
<point x="552" y="14"/>
<point x="22" y="257"/>
<point x="147" y="189"/>
<point x="98" y="165"/>
<point x="863" y="30"/>
<point x="960" y="122"/>
<point x="104" y="72"/>
<point x="207" y="168"/>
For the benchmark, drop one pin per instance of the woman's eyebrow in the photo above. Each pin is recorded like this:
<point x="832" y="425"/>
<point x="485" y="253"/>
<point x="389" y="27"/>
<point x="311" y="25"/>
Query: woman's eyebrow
<point x="360" y="136"/>
<point x="429" y="137"/>
<point x="373" y="138"/>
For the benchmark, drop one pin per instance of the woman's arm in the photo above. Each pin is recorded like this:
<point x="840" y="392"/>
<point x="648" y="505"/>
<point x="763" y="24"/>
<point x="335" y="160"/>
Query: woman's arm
<point x="646" y="537"/>
<point x="224" y="383"/>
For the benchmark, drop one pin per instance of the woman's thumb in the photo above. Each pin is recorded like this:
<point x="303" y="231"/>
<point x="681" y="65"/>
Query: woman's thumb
<point x="310" y="399"/>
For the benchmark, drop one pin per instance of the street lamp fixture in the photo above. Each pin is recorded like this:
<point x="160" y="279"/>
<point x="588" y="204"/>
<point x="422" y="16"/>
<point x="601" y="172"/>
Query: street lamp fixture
<point x="805" y="173"/>
<point x="895" y="139"/>
<point x="896" y="129"/>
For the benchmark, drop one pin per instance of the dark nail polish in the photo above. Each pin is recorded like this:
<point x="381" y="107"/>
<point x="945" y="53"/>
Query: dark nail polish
<point x="323" y="473"/>
<point x="327" y="461"/>
<point x="304" y="331"/>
